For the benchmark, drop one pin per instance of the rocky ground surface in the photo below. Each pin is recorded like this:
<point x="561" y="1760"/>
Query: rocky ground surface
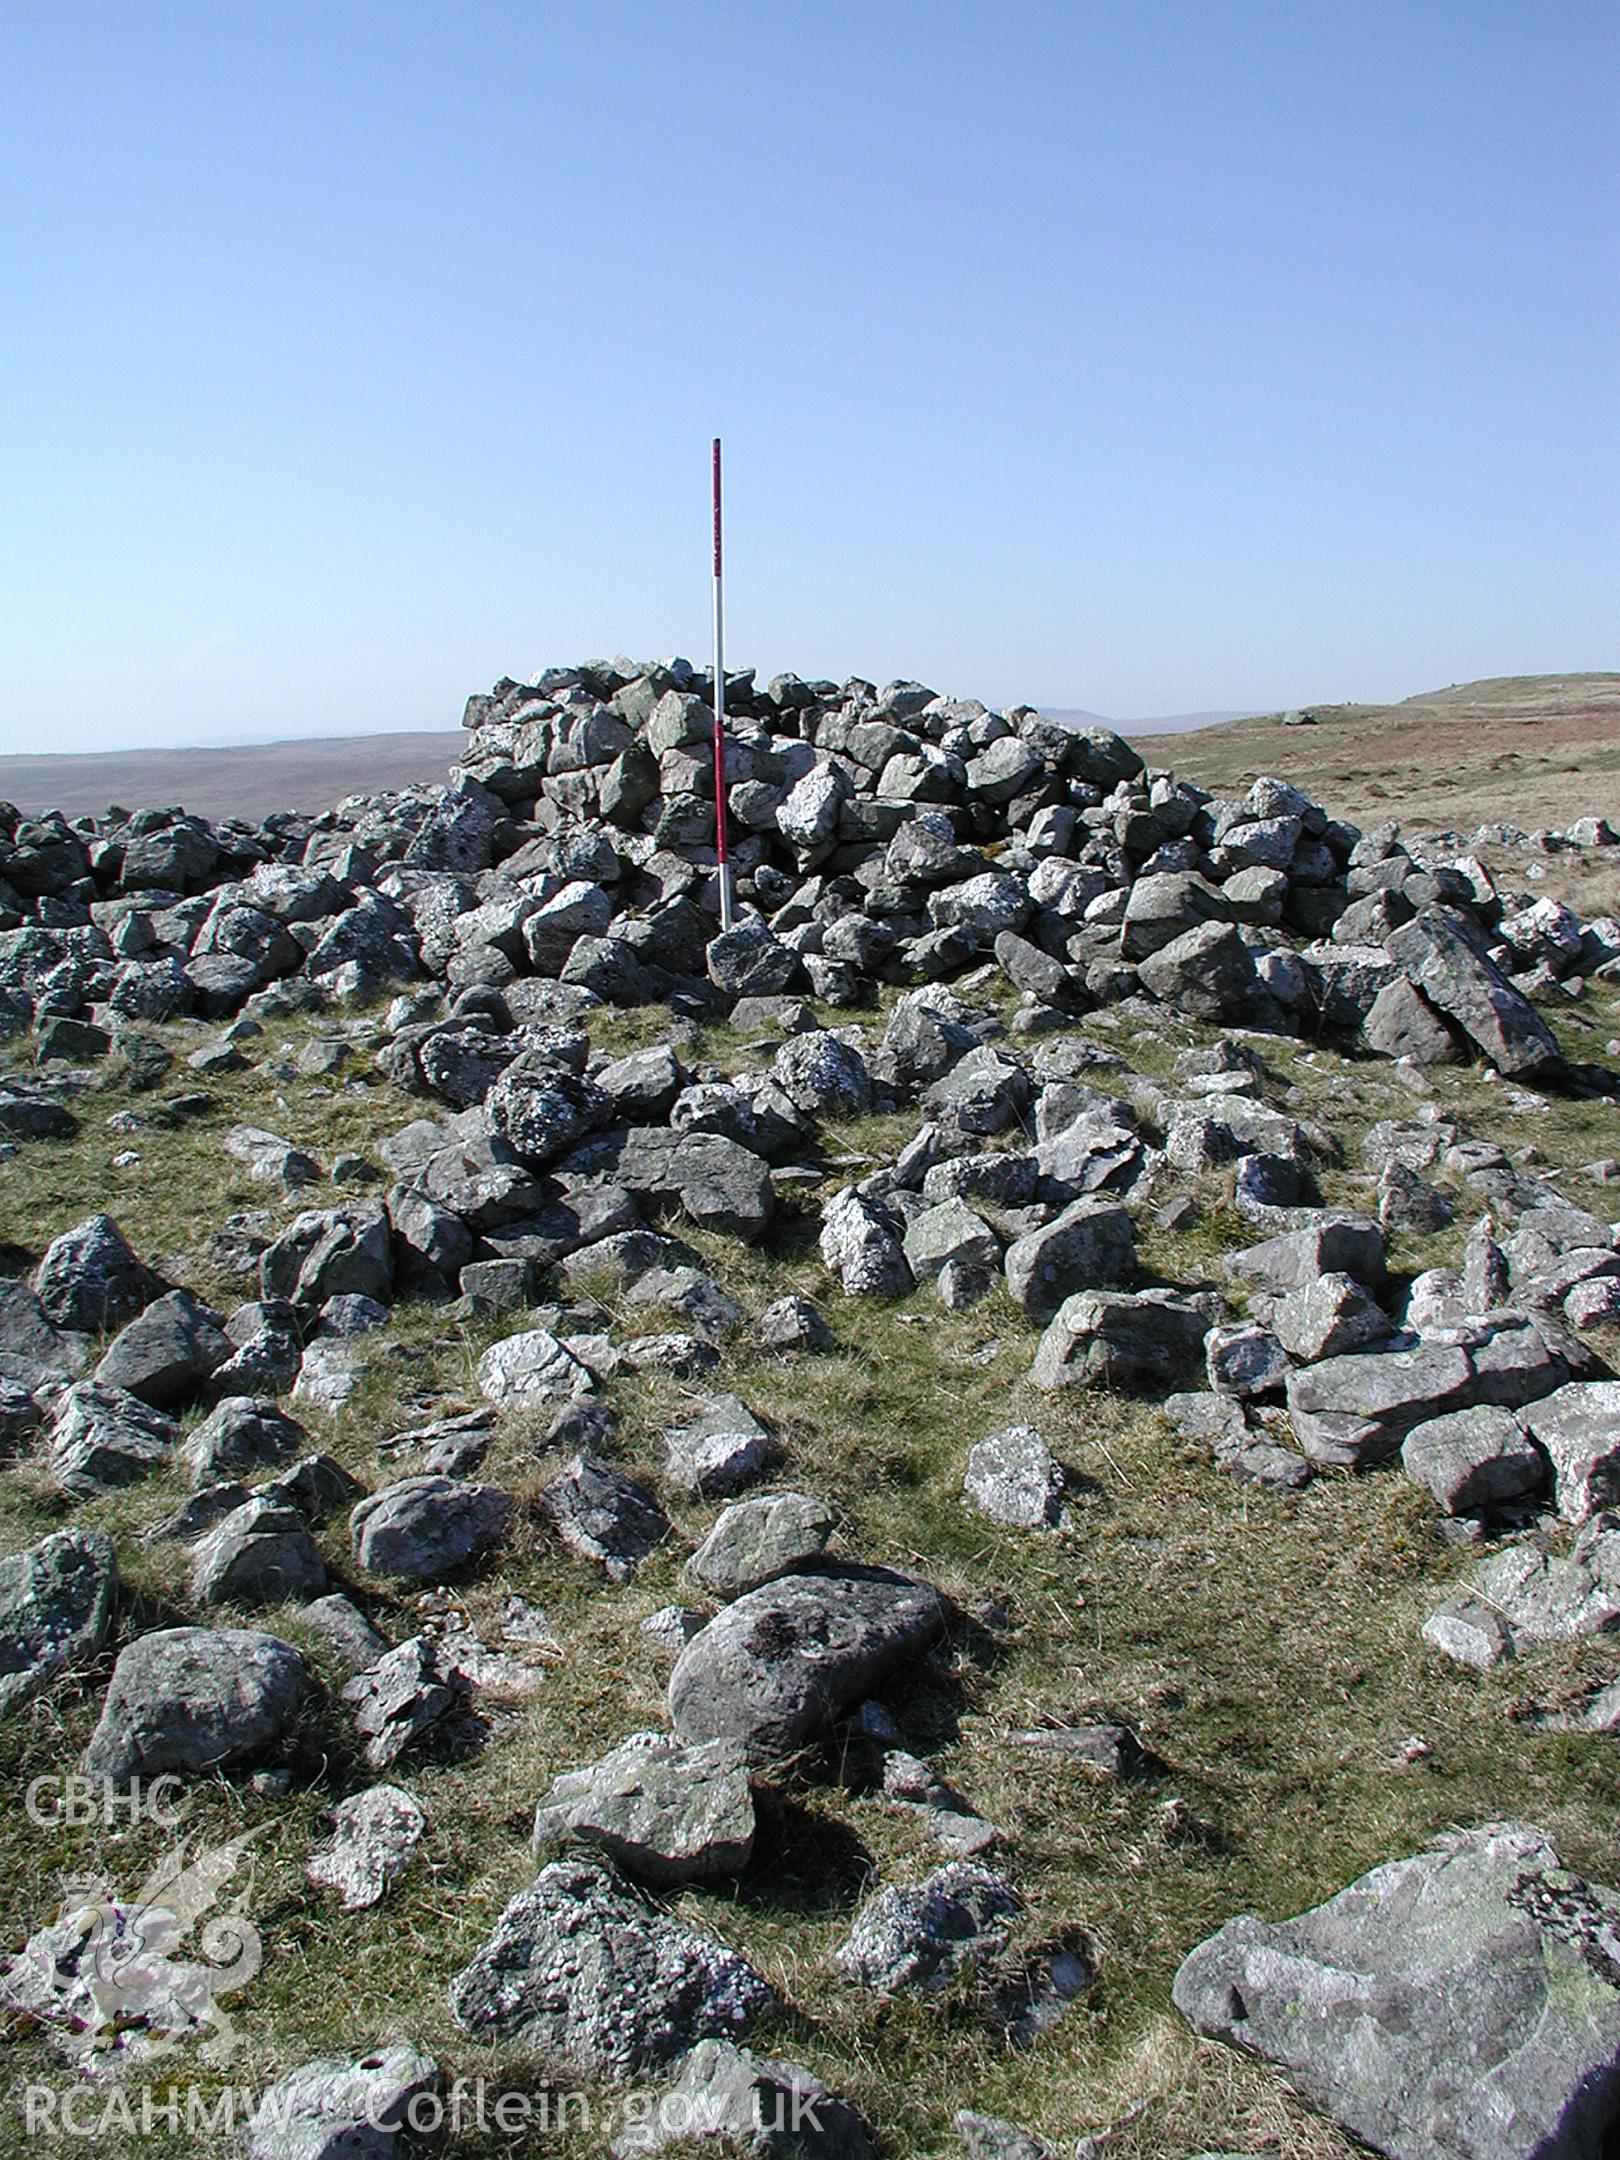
<point x="982" y="1514"/>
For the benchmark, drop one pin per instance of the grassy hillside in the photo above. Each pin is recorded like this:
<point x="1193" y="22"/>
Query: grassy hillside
<point x="1531" y="749"/>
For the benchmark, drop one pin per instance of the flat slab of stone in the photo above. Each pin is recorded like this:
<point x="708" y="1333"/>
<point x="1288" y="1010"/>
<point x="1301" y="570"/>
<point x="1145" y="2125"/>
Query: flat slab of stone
<point x="1460" y="2005"/>
<point x="668" y="1814"/>
<point x="755" y="1541"/>
<point x="771" y="1670"/>
<point x="581" y="1968"/>
<point x="374" y="1834"/>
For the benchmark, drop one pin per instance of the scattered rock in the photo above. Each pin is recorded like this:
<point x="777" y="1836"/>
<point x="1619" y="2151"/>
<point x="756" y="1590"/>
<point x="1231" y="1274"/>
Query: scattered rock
<point x="775" y="1667"/>
<point x="193" y="1699"/>
<point x="336" y="2109"/>
<point x="950" y="1926"/>
<point x="667" y="1814"/>
<point x="581" y="1969"/>
<point x="604" y="1516"/>
<point x="374" y="1834"/>
<point x="425" y="1528"/>
<point x="55" y="1610"/>
<point x="754" y="1541"/>
<point x="1014" y="1478"/>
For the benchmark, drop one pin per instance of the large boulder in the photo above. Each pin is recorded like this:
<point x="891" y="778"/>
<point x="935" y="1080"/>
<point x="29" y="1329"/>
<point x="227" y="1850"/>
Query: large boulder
<point x="583" y="1970"/>
<point x="167" y="1352"/>
<point x="1208" y="972"/>
<point x="1579" y="1427"/>
<point x="192" y="1699"/>
<point x="1164" y="906"/>
<point x="261" y="1553"/>
<point x="1119" y="1339"/>
<point x="425" y="1528"/>
<point x="89" y="1280"/>
<point x="772" y="1669"/>
<point x="859" y="1246"/>
<point x="1440" y="955"/>
<point x="101" y="1438"/>
<point x="331" y="1252"/>
<point x="1459" y="2005"/>
<point x="1090" y="1246"/>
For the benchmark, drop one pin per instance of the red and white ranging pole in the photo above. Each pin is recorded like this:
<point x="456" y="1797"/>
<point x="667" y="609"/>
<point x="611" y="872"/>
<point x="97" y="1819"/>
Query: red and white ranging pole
<point x="721" y="853"/>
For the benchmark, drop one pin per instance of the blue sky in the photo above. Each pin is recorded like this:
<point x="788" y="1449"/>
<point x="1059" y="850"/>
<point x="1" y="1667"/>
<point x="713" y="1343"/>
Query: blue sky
<point x="1141" y="357"/>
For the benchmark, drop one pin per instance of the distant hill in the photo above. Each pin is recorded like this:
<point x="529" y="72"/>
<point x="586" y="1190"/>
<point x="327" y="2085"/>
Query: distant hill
<point x="1533" y="750"/>
<point x="247" y="780"/>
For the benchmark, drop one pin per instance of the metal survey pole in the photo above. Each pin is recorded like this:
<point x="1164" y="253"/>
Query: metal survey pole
<point x="720" y="850"/>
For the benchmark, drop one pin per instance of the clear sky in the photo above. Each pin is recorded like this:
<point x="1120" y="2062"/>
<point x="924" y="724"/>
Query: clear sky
<point x="1142" y="357"/>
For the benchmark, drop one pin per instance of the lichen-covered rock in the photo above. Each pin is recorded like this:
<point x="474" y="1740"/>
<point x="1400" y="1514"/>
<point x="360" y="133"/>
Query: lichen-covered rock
<point x="338" y="2109"/>
<point x="945" y="1928"/>
<point x="581" y="1969"/>
<point x="55" y="1609"/>
<point x="101" y="1438"/>
<point x="1089" y="1246"/>
<point x="191" y="1699"/>
<point x="1014" y="1478"/>
<point x="1119" y="1339"/>
<point x="1459" y="2005"/>
<point x="374" y="1834"/>
<point x="754" y="1541"/>
<point x="1579" y="1428"/>
<point x="668" y="1814"/>
<point x="775" y="1667"/>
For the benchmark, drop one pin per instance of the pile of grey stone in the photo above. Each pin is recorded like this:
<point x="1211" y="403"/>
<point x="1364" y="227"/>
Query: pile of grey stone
<point x="881" y="836"/>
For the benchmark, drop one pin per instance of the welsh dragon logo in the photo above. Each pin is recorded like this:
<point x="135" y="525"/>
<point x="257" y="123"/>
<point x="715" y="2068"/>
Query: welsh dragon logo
<point x="112" y="1977"/>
